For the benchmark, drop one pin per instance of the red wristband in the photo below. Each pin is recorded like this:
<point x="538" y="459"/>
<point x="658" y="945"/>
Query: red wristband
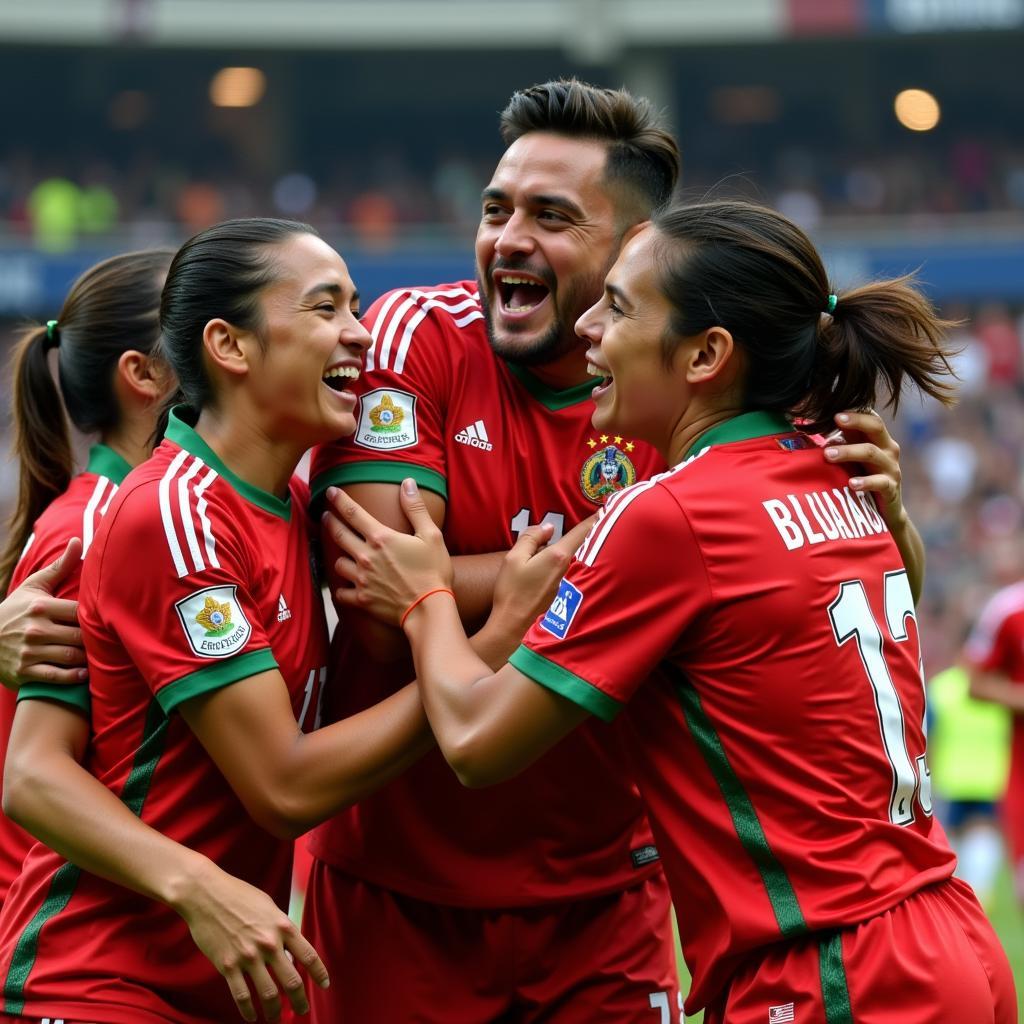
<point x="423" y="597"/>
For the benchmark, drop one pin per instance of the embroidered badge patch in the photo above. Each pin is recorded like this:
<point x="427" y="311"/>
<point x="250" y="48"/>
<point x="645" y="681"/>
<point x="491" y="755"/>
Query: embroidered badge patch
<point x="214" y="622"/>
<point x="387" y="420"/>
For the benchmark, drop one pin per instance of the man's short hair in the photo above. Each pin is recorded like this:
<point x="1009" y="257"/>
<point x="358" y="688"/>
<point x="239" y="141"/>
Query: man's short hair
<point x="643" y="158"/>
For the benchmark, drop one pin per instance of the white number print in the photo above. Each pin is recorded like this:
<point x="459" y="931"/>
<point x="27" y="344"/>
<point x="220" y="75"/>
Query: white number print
<point x="521" y="523"/>
<point x="659" y="1001"/>
<point x="852" y="619"/>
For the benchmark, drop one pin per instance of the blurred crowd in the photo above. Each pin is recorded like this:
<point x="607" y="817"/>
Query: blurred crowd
<point x="964" y="477"/>
<point x="57" y="201"/>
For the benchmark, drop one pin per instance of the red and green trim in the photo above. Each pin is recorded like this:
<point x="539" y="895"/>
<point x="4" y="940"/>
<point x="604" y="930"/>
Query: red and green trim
<point x="565" y="683"/>
<point x="65" y="878"/>
<point x="748" y="827"/>
<point x="215" y="677"/>
<point x="104" y="461"/>
<point x="73" y="696"/>
<point x="377" y="471"/>
<point x="549" y="397"/>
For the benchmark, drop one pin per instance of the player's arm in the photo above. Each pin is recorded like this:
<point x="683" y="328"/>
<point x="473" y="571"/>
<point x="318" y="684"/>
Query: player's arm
<point x="474" y="575"/>
<point x="871" y="445"/>
<point x="39" y="636"/>
<point x="237" y="926"/>
<point x="997" y="688"/>
<point x="289" y="780"/>
<point x="489" y="725"/>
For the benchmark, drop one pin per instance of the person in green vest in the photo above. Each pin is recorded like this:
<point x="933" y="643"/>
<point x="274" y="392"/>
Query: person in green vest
<point x="969" y="753"/>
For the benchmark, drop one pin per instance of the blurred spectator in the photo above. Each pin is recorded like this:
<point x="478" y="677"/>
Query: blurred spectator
<point x="53" y="210"/>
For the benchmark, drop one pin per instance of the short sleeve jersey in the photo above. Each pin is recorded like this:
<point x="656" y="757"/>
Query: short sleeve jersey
<point x="195" y="580"/>
<point x="505" y="452"/>
<point x="76" y="513"/>
<point x="781" y="749"/>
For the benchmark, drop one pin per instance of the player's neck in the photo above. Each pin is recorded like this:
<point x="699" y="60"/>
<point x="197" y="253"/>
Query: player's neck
<point x="247" y="450"/>
<point x="131" y="440"/>
<point x="567" y="371"/>
<point x="690" y="428"/>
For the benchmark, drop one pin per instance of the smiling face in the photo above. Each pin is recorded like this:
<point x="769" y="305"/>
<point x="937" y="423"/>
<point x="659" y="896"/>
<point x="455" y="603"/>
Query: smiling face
<point x="546" y="239"/>
<point x="314" y="344"/>
<point x="639" y="394"/>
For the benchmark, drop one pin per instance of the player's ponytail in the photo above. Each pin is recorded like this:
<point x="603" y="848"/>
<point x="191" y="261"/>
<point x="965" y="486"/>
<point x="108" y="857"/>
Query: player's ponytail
<point x="217" y="274"/>
<point x="41" y="442"/>
<point x="878" y="335"/>
<point x="811" y="352"/>
<point x="111" y="309"/>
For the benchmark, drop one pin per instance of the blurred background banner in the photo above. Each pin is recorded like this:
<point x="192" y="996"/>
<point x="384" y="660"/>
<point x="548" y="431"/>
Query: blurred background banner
<point x="892" y="130"/>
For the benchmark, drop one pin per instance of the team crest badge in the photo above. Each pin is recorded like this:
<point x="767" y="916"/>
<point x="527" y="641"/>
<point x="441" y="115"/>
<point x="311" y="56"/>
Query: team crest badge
<point x="387" y="420"/>
<point x="609" y="469"/>
<point x="214" y="622"/>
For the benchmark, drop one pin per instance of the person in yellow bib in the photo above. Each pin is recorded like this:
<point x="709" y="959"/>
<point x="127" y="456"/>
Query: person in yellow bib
<point x="969" y="750"/>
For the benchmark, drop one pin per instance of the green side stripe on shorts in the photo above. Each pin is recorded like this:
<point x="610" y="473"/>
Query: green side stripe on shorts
<point x="57" y="897"/>
<point x="65" y="878"/>
<point x="835" y="993"/>
<point x="783" y="899"/>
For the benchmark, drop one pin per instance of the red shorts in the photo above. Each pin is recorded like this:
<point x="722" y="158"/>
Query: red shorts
<point x="932" y="959"/>
<point x="393" y="958"/>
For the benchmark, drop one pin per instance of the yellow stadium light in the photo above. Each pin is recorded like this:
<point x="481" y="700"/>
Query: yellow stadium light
<point x="917" y="110"/>
<point x="237" y="87"/>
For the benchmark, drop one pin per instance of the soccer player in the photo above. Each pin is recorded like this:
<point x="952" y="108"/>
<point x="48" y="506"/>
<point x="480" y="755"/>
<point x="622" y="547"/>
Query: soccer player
<point x="207" y="649"/>
<point x="780" y="751"/>
<point x="995" y="657"/>
<point x="110" y="385"/>
<point x="479" y="390"/>
<point x="111" y="382"/>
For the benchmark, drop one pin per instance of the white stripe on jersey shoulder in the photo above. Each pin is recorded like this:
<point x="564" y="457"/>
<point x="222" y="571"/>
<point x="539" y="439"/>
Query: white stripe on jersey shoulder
<point x="415" y="303"/>
<point x="618" y="503"/>
<point x="93" y="511"/>
<point x="186" y="516"/>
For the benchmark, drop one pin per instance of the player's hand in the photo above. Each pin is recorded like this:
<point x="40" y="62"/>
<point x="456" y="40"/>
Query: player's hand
<point x="868" y="442"/>
<point x="39" y="636"/>
<point x="251" y="942"/>
<point x="388" y="570"/>
<point x="531" y="572"/>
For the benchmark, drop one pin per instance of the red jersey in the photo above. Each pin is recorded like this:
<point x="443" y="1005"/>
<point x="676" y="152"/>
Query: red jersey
<point x="195" y="580"/>
<point x="781" y="753"/>
<point x="76" y="513"/>
<point x="504" y="452"/>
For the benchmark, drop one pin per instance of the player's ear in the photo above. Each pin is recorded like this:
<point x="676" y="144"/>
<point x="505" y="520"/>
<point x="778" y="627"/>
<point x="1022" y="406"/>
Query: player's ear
<point x="229" y="348"/>
<point x="710" y="355"/>
<point x="143" y="375"/>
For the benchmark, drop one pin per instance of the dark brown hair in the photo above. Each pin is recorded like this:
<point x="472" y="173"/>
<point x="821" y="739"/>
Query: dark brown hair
<point x="643" y="158"/>
<point x="748" y="269"/>
<point x="111" y="309"/>
<point x="217" y="273"/>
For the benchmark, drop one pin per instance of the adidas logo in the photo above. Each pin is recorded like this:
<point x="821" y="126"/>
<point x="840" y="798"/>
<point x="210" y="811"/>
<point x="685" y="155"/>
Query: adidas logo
<point x="283" y="611"/>
<point x="475" y="435"/>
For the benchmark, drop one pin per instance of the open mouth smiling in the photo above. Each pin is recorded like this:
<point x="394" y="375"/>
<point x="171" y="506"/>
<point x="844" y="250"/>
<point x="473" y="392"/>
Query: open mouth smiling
<point x="338" y="378"/>
<point x="519" y="294"/>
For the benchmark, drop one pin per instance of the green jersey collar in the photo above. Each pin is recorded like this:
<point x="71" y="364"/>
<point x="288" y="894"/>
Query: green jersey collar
<point x="742" y="428"/>
<point x="104" y="461"/>
<point x="548" y="396"/>
<point x="185" y="436"/>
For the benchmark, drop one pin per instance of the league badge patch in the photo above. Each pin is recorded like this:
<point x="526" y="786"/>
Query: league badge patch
<point x="558" y="618"/>
<point x="214" y="622"/>
<point x="387" y="420"/>
<point x="609" y="469"/>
